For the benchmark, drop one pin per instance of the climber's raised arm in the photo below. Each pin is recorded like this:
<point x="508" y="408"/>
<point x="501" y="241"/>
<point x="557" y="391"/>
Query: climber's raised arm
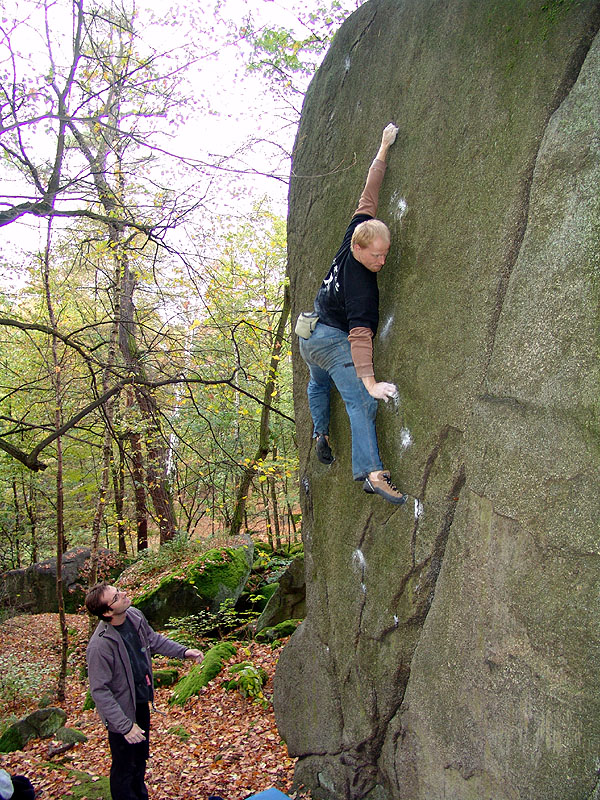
<point x="370" y="195"/>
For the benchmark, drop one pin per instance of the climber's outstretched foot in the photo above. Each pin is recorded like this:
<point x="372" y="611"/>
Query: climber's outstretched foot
<point x="324" y="453"/>
<point x="380" y="483"/>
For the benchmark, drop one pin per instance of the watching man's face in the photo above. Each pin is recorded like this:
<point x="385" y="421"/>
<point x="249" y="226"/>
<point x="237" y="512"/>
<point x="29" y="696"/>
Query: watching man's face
<point x="373" y="255"/>
<point x="116" y="600"/>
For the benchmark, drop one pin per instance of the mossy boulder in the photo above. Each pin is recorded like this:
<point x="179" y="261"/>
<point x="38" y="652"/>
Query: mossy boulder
<point x="70" y="736"/>
<point x="40" y="724"/>
<point x="288" y="601"/>
<point x="285" y="628"/>
<point x="264" y="594"/>
<point x="215" y="576"/>
<point x="203" y="673"/>
<point x="166" y="677"/>
<point x="263" y="547"/>
<point x="89" y="787"/>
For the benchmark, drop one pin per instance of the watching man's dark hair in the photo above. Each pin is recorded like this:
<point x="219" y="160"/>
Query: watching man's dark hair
<point x="94" y="603"/>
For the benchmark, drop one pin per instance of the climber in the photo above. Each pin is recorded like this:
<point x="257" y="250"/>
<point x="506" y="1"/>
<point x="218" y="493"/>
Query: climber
<point x="340" y="347"/>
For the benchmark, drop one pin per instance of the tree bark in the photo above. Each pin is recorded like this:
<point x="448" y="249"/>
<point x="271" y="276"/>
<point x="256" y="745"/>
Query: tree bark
<point x="263" y="440"/>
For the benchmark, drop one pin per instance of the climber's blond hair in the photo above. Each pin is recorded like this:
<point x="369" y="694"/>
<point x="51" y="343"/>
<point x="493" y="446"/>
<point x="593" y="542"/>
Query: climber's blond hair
<point x="368" y="231"/>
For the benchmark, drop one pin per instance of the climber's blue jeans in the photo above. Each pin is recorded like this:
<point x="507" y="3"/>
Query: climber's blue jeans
<point x="329" y="360"/>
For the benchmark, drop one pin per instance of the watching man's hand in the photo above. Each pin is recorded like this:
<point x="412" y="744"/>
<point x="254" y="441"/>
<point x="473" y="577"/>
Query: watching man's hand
<point x="195" y="654"/>
<point x="135" y="735"/>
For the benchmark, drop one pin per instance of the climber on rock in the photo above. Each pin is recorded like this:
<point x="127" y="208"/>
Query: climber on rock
<point x="340" y="347"/>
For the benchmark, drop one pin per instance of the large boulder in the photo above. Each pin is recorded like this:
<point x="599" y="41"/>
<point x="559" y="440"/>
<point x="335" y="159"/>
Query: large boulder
<point x="450" y="646"/>
<point x="217" y="575"/>
<point x="34" y="589"/>
<point x="288" y="601"/>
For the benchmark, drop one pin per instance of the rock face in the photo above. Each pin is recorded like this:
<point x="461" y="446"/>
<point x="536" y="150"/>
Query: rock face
<point x="289" y="600"/>
<point x="450" y="648"/>
<point x="34" y="589"/>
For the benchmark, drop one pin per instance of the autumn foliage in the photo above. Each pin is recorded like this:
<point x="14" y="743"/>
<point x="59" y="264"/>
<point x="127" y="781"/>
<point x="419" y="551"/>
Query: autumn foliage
<point x="218" y="743"/>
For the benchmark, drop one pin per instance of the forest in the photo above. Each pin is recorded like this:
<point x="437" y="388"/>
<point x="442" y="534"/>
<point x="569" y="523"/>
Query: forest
<point x="145" y="377"/>
<point x="145" y="337"/>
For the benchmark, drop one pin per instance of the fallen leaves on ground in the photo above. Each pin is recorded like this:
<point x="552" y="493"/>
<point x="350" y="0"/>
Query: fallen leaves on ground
<point x="219" y="743"/>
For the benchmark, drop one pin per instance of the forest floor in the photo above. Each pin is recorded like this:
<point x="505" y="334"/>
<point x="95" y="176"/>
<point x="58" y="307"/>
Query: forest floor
<point x="218" y="743"/>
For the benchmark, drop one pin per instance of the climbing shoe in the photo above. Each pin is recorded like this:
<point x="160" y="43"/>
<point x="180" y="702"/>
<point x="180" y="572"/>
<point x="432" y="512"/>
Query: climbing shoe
<point x="324" y="453"/>
<point x="381" y="483"/>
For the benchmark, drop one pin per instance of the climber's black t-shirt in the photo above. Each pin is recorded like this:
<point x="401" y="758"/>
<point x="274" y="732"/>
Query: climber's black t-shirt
<point x="349" y="295"/>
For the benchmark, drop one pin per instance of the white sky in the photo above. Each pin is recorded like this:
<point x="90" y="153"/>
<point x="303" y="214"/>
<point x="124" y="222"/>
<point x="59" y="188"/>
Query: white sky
<point x="229" y="108"/>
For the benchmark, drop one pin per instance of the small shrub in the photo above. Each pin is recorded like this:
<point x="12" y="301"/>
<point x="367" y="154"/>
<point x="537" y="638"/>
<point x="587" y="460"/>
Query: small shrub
<point x="249" y="681"/>
<point x="88" y="703"/>
<point x="180" y="732"/>
<point x="191" y="630"/>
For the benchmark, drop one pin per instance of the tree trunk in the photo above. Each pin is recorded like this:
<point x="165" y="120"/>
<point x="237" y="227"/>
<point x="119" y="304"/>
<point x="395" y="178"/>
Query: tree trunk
<point x="118" y="477"/>
<point x="17" y="523"/>
<point x="267" y="516"/>
<point x="263" y="441"/>
<point x="60" y="528"/>
<point x="29" y="500"/>
<point x="156" y="446"/>
<point x="101" y="501"/>
<point x="276" y="527"/>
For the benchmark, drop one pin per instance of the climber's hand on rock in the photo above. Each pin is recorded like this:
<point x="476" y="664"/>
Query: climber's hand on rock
<point x="381" y="390"/>
<point x="389" y="134"/>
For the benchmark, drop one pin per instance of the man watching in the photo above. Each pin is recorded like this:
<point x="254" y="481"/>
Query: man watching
<point x="119" y="659"/>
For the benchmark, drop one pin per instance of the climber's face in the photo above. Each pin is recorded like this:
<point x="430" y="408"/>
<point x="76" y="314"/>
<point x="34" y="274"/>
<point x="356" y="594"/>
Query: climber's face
<point x="373" y="255"/>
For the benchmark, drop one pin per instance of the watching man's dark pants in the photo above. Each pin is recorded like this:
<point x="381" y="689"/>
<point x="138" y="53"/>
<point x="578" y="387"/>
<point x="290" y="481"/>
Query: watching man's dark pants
<point x="129" y="760"/>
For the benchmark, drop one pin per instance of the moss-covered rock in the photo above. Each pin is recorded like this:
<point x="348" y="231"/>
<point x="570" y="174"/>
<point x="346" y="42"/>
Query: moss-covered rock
<point x="202" y="674"/>
<point x="15" y="737"/>
<point x="264" y="594"/>
<point x="215" y="576"/>
<point x="40" y="724"/>
<point x="70" y="736"/>
<point x="88" y="703"/>
<point x="166" y="677"/>
<point x="90" y="788"/>
<point x="289" y="600"/>
<point x="263" y="547"/>
<point x="34" y="589"/>
<point x="285" y="628"/>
